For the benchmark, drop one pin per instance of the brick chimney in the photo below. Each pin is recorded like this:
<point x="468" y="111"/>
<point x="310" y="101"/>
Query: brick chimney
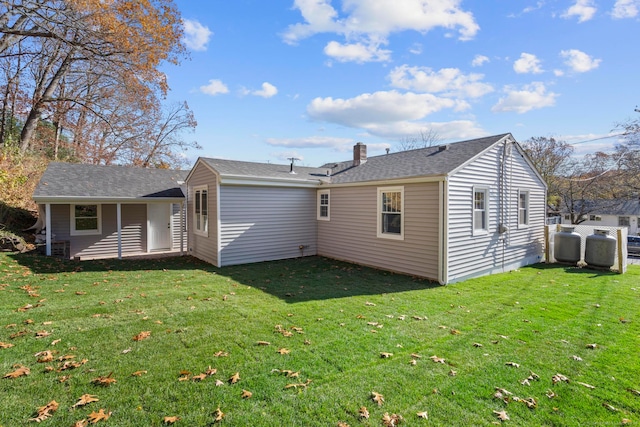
<point x="359" y="154"/>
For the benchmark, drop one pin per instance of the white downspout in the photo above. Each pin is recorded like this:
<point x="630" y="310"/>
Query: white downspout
<point x="182" y="227"/>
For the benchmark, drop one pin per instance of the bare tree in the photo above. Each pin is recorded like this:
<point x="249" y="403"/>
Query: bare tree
<point x="426" y="138"/>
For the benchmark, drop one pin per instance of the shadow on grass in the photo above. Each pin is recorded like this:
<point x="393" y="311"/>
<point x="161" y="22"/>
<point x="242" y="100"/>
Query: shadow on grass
<point x="293" y="280"/>
<point x="571" y="269"/>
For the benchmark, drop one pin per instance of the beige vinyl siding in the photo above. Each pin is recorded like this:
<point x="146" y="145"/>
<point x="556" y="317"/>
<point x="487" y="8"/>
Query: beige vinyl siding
<point x="105" y="245"/>
<point x="472" y="255"/>
<point x="203" y="247"/>
<point x="266" y="223"/>
<point x="351" y="234"/>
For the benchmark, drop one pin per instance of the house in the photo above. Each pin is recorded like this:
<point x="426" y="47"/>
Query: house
<point x="446" y="213"/>
<point x="609" y="213"/>
<point x="111" y="211"/>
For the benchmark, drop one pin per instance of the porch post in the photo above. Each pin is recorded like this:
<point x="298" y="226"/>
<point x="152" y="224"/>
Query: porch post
<point x="47" y="222"/>
<point x="119" y="228"/>
<point x="182" y="228"/>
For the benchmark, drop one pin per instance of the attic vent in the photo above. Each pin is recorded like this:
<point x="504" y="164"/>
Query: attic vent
<point x="443" y="147"/>
<point x="293" y="159"/>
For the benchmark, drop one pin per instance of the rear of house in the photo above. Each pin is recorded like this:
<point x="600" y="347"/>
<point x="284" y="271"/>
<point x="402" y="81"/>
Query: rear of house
<point x="243" y="212"/>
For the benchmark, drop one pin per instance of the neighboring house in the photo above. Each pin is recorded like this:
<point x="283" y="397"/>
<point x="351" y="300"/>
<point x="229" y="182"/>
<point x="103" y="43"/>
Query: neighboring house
<point x="610" y="213"/>
<point x="446" y="213"/>
<point x="109" y="211"/>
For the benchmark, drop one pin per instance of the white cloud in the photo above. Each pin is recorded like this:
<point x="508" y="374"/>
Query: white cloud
<point x="528" y="63"/>
<point x="579" y="61"/>
<point x="448" y="81"/>
<point x="583" y="9"/>
<point x="530" y="97"/>
<point x="196" y="35"/>
<point x="416" y="49"/>
<point x="356" y="52"/>
<point x="379" y="107"/>
<point x="268" y="90"/>
<point x="338" y="144"/>
<point x="370" y="22"/>
<point x="454" y="130"/>
<point x="479" y="60"/>
<point x="625" y="9"/>
<point x="215" y="87"/>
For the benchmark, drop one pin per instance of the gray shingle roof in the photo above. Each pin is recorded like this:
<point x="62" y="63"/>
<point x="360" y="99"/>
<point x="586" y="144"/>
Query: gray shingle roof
<point x="72" y="180"/>
<point x="230" y="168"/>
<point x="431" y="161"/>
<point x="619" y="207"/>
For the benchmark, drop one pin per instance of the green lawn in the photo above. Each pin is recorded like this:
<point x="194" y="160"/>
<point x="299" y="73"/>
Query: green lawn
<point x="335" y="320"/>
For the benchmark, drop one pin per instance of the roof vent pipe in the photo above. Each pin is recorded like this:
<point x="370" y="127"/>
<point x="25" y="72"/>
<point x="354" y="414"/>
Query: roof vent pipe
<point x="443" y="147"/>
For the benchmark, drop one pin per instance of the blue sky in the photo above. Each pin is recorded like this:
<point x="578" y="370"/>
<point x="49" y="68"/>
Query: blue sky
<point x="268" y="80"/>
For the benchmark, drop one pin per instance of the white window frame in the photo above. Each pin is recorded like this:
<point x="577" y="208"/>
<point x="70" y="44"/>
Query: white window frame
<point x="320" y="216"/>
<point x="91" y="232"/>
<point x="380" y="212"/>
<point x="523" y="210"/>
<point x="627" y="220"/>
<point x="480" y="230"/>
<point x="197" y="201"/>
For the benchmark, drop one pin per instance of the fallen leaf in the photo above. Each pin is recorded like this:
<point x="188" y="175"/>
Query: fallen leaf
<point x="592" y="346"/>
<point x="369" y="304"/>
<point x="263" y="343"/>
<point x="296" y="385"/>
<point x="423" y="414"/>
<point x="363" y="412"/>
<point x="85" y="399"/>
<point x="138" y="373"/>
<point x="452" y="373"/>
<point x="502" y="415"/>
<point x="218" y="415"/>
<point x="391" y="420"/>
<point x="589" y="386"/>
<point x="104" y="381"/>
<point x="385" y="355"/>
<point x="171" y="420"/>
<point x="513" y="364"/>
<point x="634" y="391"/>
<point x="283" y="351"/>
<point x="19" y="372"/>
<point x="455" y="332"/>
<point x="558" y="378"/>
<point x="142" y="336"/>
<point x="576" y="358"/>
<point x="377" y="398"/>
<point x="477" y="344"/>
<point x="437" y="359"/>
<point x="5" y="345"/>
<point x="199" y="377"/>
<point x="551" y="394"/>
<point x="94" y="417"/>
<point x="211" y="371"/>
<point x="246" y="394"/>
<point x="609" y="407"/>
<point x="220" y="354"/>
<point x="81" y="423"/>
<point x="44" y="356"/>
<point x="45" y="412"/>
<point x="234" y="378"/>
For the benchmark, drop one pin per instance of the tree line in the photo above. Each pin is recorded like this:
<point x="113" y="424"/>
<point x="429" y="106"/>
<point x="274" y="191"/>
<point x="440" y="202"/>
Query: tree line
<point x="80" y="81"/>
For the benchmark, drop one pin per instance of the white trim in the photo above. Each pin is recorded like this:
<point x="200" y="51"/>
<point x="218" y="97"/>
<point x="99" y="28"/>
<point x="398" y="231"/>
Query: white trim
<point x="105" y="200"/>
<point x="391" y="181"/>
<point x="379" y="212"/>
<point x="218" y="224"/>
<point x="475" y="231"/>
<point x="196" y="230"/>
<point x="72" y="221"/>
<point x="319" y="205"/>
<point x="443" y="223"/>
<point x="256" y="181"/>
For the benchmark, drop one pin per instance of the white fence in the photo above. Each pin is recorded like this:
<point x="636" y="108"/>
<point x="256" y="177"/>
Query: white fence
<point x="620" y="233"/>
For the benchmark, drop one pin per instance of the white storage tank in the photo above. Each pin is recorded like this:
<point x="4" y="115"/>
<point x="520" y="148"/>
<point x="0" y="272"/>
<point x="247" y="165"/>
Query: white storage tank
<point x="600" y="250"/>
<point x="566" y="245"/>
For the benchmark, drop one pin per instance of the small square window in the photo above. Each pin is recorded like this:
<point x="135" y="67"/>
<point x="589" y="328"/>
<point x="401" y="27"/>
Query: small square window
<point x="86" y="219"/>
